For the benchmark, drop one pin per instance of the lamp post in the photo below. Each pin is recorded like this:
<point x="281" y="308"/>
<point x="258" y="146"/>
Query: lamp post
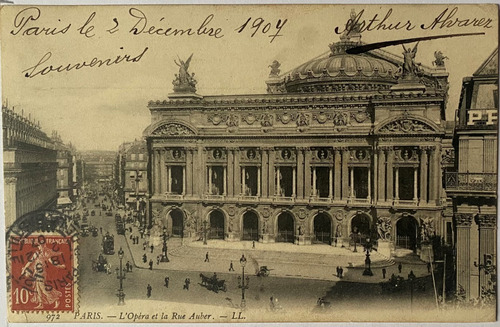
<point x="355" y="236"/>
<point x="368" y="262"/>
<point x="164" y="256"/>
<point x="121" y="276"/>
<point x="205" y="232"/>
<point x="242" y="282"/>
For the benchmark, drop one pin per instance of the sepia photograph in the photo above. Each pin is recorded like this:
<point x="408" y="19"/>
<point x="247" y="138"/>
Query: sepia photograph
<point x="249" y="163"/>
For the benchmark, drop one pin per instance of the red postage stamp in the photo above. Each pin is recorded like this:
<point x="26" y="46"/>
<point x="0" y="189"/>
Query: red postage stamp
<point x="42" y="274"/>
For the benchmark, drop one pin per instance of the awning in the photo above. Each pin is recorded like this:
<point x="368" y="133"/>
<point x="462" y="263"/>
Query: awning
<point x="63" y="201"/>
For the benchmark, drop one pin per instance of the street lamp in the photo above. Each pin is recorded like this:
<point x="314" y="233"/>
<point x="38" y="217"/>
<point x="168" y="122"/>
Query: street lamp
<point x="205" y="232"/>
<point x="121" y="277"/>
<point x="368" y="262"/>
<point x="164" y="257"/>
<point x="242" y="282"/>
<point x="355" y="236"/>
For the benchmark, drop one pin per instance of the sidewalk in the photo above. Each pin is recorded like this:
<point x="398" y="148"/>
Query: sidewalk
<point x="285" y="260"/>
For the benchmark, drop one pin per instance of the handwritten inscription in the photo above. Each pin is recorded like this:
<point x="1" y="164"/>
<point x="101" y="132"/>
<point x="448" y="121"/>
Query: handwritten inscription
<point x="31" y="14"/>
<point x="41" y="68"/>
<point x="445" y="19"/>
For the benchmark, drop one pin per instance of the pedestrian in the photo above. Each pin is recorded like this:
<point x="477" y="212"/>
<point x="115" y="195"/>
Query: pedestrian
<point x="144" y="246"/>
<point x="144" y="258"/>
<point x="383" y="273"/>
<point x="152" y="248"/>
<point x="186" y="284"/>
<point x="149" y="289"/>
<point x="100" y="228"/>
<point x="253" y="244"/>
<point x="341" y="271"/>
<point x="157" y="260"/>
<point x="151" y="264"/>
<point x="400" y="267"/>
<point x="131" y="236"/>
<point x="335" y="240"/>
<point x="130" y="266"/>
<point x="338" y="272"/>
<point x="127" y="266"/>
<point x="167" y="279"/>
<point x="231" y="266"/>
<point x="429" y="267"/>
<point x="271" y="303"/>
<point x="130" y="229"/>
<point x="206" y="258"/>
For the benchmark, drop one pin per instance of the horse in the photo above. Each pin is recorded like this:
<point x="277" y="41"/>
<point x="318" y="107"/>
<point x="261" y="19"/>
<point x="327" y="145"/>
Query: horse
<point x="204" y="280"/>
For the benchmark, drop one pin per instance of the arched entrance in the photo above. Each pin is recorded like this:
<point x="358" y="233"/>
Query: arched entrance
<point x="407" y="233"/>
<point x="250" y="226"/>
<point x="360" y="228"/>
<point x="177" y="218"/>
<point x="217" y="225"/>
<point x="323" y="229"/>
<point x="286" y="228"/>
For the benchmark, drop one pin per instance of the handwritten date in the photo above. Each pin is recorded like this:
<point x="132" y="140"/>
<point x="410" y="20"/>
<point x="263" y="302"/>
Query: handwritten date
<point x="259" y="24"/>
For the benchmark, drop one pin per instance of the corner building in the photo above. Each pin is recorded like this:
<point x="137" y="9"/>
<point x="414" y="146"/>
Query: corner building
<point x="473" y="186"/>
<point x="340" y="146"/>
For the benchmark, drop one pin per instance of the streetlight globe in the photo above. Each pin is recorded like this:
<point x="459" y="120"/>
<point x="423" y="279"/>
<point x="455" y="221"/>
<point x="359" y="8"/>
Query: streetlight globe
<point x="120" y="253"/>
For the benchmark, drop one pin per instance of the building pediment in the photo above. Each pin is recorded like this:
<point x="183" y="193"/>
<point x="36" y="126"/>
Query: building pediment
<point x="407" y="124"/>
<point x="169" y="128"/>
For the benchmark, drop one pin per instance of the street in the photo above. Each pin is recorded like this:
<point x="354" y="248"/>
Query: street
<point x="99" y="289"/>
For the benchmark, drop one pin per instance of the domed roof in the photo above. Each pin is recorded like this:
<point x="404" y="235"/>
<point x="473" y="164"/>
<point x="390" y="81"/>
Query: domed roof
<point x="365" y="70"/>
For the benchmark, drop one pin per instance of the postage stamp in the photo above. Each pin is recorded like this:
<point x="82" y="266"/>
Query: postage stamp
<point x="42" y="274"/>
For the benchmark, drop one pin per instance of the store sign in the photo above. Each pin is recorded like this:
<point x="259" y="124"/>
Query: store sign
<point x="482" y="117"/>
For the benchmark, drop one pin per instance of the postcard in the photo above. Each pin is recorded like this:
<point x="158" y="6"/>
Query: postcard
<point x="250" y="163"/>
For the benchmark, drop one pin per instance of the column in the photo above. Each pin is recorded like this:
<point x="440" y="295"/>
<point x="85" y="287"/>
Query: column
<point x="423" y="175"/>
<point x="183" y="180"/>
<point x="345" y="174"/>
<point x="169" y="177"/>
<point x="294" y="182"/>
<point x="432" y="177"/>
<point x="237" y="172"/>
<point x="390" y="172"/>
<point x="381" y="175"/>
<point x="258" y="181"/>
<point x="189" y="172"/>
<point x="487" y="239"/>
<point x="396" y="184"/>
<point x="157" y="175"/>
<point x="264" y="171"/>
<point x="330" y="182"/>
<point x="230" y="174"/>
<point x="463" y="221"/>
<point x="243" y="184"/>
<point x="271" y="172"/>
<point x="278" y="182"/>
<point x="201" y="171"/>
<point x="314" y="191"/>
<point x="224" y="180"/>
<point x="415" y="184"/>
<point x="337" y="180"/>
<point x="369" y="183"/>
<point x="375" y="174"/>
<point x="163" y="178"/>
<point x="307" y="173"/>
<point x="300" y="172"/>
<point x="209" y="179"/>
<point x="351" y="195"/>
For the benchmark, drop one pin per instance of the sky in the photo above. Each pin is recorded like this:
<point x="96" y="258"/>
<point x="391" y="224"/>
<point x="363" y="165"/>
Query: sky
<point x="101" y="107"/>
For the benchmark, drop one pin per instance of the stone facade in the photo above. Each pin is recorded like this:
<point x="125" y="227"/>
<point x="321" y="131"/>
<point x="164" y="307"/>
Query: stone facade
<point x="30" y="167"/>
<point x="328" y="155"/>
<point x="473" y="184"/>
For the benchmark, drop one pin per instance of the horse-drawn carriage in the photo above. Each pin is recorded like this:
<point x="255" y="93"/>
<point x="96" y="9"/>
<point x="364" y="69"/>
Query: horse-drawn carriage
<point x="100" y="265"/>
<point x="108" y="244"/>
<point x="213" y="283"/>
<point x="263" y="271"/>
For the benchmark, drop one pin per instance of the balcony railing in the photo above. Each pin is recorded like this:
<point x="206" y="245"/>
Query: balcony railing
<point x="485" y="182"/>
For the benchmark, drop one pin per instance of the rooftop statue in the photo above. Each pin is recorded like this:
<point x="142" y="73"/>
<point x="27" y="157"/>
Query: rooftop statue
<point x="184" y="81"/>
<point x="410" y="68"/>
<point x="275" y="68"/>
<point x="439" y="62"/>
